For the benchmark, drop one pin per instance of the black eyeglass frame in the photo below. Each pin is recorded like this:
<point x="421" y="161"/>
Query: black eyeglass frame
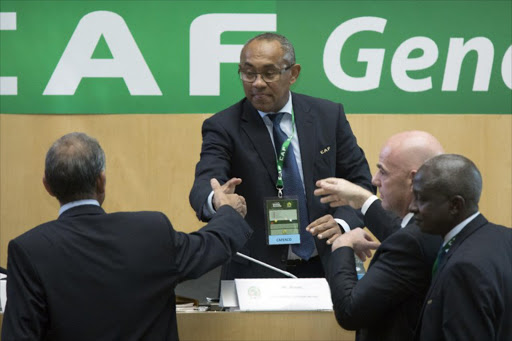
<point x="262" y="74"/>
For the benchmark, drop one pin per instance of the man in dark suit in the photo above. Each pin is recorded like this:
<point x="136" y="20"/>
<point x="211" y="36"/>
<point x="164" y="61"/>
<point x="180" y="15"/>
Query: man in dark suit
<point x="90" y="275"/>
<point x="385" y="304"/>
<point x="470" y="297"/>
<point x="240" y="142"/>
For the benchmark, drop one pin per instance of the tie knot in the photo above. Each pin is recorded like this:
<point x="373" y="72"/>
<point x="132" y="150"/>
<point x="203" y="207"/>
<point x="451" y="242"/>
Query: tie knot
<point x="276" y="118"/>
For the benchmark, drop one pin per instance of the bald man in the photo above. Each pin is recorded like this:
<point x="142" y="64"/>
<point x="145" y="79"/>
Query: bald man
<point x="386" y="303"/>
<point x="471" y="293"/>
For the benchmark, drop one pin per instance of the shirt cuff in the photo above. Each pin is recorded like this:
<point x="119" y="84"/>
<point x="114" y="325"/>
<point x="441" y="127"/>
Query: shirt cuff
<point x="208" y="210"/>
<point x="368" y="203"/>
<point x="343" y="224"/>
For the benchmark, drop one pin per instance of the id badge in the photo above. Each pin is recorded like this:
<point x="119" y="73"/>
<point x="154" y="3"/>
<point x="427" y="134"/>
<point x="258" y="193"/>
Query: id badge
<point x="283" y="225"/>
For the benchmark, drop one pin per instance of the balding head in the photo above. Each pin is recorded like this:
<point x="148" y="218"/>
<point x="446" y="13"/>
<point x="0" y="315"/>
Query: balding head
<point x="447" y="190"/>
<point x="412" y="148"/>
<point x="74" y="164"/>
<point x="399" y="160"/>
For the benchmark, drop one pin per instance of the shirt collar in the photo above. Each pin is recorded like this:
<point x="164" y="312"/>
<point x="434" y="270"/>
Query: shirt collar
<point x="287" y="107"/>
<point x="406" y="219"/>
<point x="72" y="204"/>
<point x="454" y="231"/>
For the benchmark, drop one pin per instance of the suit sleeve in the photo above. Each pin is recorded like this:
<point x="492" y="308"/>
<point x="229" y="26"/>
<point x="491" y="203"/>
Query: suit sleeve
<point x="213" y="245"/>
<point x="215" y="162"/>
<point x="469" y="300"/>
<point x="388" y="282"/>
<point x="26" y="311"/>
<point x="351" y="164"/>
<point x="380" y="222"/>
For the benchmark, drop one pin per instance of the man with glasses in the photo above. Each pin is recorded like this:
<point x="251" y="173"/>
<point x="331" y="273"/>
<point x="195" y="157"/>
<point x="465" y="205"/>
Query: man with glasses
<point x="271" y="147"/>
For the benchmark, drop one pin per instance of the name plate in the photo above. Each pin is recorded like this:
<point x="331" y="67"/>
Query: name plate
<point x="3" y="294"/>
<point x="283" y="294"/>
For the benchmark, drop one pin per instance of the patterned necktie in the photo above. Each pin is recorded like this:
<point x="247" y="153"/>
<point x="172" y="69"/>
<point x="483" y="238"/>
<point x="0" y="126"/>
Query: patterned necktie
<point x="440" y="255"/>
<point x="293" y="186"/>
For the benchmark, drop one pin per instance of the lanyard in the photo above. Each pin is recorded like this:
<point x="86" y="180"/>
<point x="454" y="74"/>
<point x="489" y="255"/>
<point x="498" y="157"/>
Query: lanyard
<point x="280" y="159"/>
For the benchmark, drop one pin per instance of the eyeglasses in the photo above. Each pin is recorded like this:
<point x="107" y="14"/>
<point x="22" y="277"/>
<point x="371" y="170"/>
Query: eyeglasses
<point x="268" y="76"/>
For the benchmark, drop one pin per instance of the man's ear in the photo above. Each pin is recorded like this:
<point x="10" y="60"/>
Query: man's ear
<point x="457" y="205"/>
<point x="101" y="183"/>
<point x="295" y="73"/>
<point x="47" y="187"/>
<point x="410" y="177"/>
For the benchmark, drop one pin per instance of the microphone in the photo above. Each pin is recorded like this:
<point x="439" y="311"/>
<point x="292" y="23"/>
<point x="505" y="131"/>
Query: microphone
<point x="286" y="273"/>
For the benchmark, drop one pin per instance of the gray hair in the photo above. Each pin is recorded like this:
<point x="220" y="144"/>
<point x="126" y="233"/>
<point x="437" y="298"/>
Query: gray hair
<point x="72" y="166"/>
<point x="286" y="45"/>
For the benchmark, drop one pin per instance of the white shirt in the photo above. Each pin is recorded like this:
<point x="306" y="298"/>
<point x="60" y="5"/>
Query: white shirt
<point x="371" y="200"/>
<point x="69" y="205"/>
<point x="459" y="227"/>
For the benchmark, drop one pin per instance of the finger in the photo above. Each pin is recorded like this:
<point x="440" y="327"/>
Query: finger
<point x="333" y="238"/>
<point x="319" y="192"/>
<point x="317" y="228"/>
<point x="317" y="222"/>
<point x="242" y="199"/>
<point x="330" y="180"/>
<point x="366" y="235"/>
<point x="373" y="245"/>
<point x="215" y="184"/>
<point x="230" y="185"/>
<point x="328" y="232"/>
<point x="368" y="253"/>
<point x="320" y="182"/>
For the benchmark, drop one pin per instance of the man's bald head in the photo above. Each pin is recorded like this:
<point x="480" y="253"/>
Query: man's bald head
<point x="447" y="190"/>
<point x="413" y="148"/>
<point x="400" y="158"/>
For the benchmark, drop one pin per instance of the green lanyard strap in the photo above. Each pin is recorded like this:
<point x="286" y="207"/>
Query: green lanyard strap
<point x="280" y="159"/>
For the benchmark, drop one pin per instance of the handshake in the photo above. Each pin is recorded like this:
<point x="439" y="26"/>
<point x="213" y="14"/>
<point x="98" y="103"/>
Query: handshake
<point x="225" y="195"/>
<point x="334" y="191"/>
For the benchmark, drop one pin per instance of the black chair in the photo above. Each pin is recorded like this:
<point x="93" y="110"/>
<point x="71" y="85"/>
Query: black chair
<point x="3" y="271"/>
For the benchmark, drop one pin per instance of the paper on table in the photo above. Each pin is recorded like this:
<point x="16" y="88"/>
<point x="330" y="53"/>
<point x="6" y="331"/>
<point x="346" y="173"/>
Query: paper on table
<point x="228" y="295"/>
<point x="283" y="294"/>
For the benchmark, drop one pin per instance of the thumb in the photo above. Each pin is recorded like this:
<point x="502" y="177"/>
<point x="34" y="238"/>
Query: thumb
<point x="373" y="245"/>
<point x="215" y="184"/>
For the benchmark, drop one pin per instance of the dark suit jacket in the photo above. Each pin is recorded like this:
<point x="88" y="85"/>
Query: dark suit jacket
<point x="236" y="143"/>
<point x="386" y="303"/>
<point x="94" y="276"/>
<point x="471" y="295"/>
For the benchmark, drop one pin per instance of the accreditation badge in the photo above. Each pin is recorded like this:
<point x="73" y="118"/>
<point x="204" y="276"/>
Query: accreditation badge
<point x="283" y="225"/>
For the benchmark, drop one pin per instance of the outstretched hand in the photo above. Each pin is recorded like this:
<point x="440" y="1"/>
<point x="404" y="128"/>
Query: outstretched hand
<point x="224" y="195"/>
<point x="325" y="228"/>
<point x="338" y="192"/>
<point x="359" y="240"/>
<point x="227" y="188"/>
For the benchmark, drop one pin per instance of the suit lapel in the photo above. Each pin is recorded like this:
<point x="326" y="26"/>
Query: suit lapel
<point x="306" y="133"/>
<point x="255" y="128"/>
<point x="473" y="226"/>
